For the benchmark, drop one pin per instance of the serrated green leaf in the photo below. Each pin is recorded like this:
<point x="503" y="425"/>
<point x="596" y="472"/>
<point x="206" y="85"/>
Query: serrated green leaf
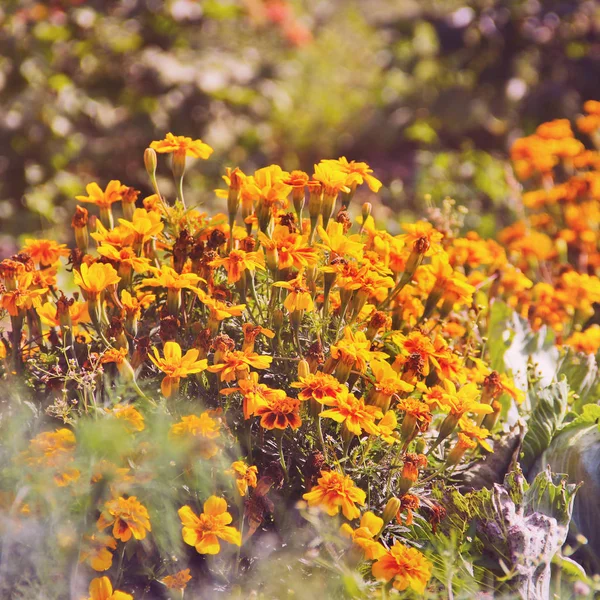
<point x="545" y="420"/>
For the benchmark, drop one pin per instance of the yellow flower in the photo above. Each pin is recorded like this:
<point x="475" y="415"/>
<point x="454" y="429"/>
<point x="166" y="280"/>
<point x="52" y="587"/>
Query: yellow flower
<point x="96" y="551"/>
<point x="178" y="581"/>
<point x="170" y="279"/>
<point x="133" y="418"/>
<point x="125" y="256"/>
<point x="200" y="430"/>
<point x="353" y="412"/>
<point x="127" y="516"/>
<point x="203" y="532"/>
<point x="331" y="178"/>
<point x="103" y="199"/>
<point x="101" y="589"/>
<point x="254" y="394"/>
<point x="320" y="387"/>
<point x="176" y="366"/>
<point x="245" y="476"/>
<point x="354" y="349"/>
<point x="236" y="364"/>
<point x="219" y="310"/>
<point x="237" y="262"/>
<point x="78" y="313"/>
<point x="334" y="490"/>
<point x="370" y="526"/>
<point x="95" y="279"/>
<point x="299" y="297"/>
<point x="45" y="252"/>
<point x="408" y="567"/>
<point x="182" y="146"/>
<point x="357" y="172"/>
<point x="280" y="412"/>
<point x="144" y="225"/>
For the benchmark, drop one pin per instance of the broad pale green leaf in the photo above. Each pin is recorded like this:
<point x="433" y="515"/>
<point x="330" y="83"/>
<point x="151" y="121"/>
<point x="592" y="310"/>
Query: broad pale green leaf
<point x="545" y="420"/>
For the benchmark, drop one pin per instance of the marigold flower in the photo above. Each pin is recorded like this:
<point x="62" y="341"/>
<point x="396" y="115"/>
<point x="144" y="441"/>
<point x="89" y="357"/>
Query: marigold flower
<point x="387" y="427"/>
<point x="96" y="278"/>
<point x="245" y="476"/>
<point x="353" y="412"/>
<point x="280" y="412"/>
<point x="78" y="313"/>
<point x="237" y="262"/>
<point x="363" y="536"/>
<point x="236" y="364"/>
<point x="133" y="418"/>
<point x="254" y="394"/>
<point x="299" y="296"/>
<point x="125" y="256"/>
<point x="170" y="279"/>
<point x="144" y="225"/>
<point x="127" y="516"/>
<point x="408" y="567"/>
<point x="358" y="172"/>
<point x="201" y="431"/>
<point x="178" y="581"/>
<point x="103" y="199"/>
<point x="101" y="589"/>
<point x="45" y="252"/>
<point x="182" y="146"/>
<point x="354" y="351"/>
<point x="176" y="366"/>
<point x="96" y="551"/>
<point x="320" y="387"/>
<point x="203" y="532"/>
<point x="334" y="490"/>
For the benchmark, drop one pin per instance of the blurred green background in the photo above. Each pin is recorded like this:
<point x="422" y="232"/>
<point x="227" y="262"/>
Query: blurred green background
<point x="430" y="92"/>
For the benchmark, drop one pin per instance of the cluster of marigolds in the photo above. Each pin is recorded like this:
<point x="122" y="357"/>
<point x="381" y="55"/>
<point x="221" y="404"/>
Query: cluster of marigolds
<point x="288" y="322"/>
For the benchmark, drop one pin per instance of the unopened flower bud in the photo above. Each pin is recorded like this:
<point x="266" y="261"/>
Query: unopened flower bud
<point x="391" y="510"/>
<point x="150" y="162"/>
<point x="303" y="369"/>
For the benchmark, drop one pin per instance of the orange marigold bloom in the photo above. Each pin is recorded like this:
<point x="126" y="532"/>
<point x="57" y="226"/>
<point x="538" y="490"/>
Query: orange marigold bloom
<point x="408" y="567"/>
<point x="354" y="413"/>
<point x="354" y="349"/>
<point x="203" y="532"/>
<point x="245" y="476"/>
<point x="331" y="178"/>
<point x="176" y="366"/>
<point x="78" y="313"/>
<point x="280" y="412"/>
<point x="96" y="278"/>
<point x="334" y="490"/>
<point x="363" y="537"/>
<point x="144" y="225"/>
<point x="125" y="256"/>
<point x="101" y="589"/>
<point x="357" y="173"/>
<point x="299" y="296"/>
<point x="133" y="418"/>
<point x="45" y="252"/>
<point x="319" y="386"/>
<point x="254" y="394"/>
<point x="201" y="430"/>
<point x="178" y="581"/>
<point x="169" y="278"/>
<point x="182" y="146"/>
<point x="236" y="364"/>
<point x="288" y="249"/>
<point x="127" y="516"/>
<point x="96" y="551"/>
<point x="103" y="199"/>
<point x="237" y="262"/>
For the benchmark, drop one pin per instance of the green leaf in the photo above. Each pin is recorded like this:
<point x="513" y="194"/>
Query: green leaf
<point x="551" y="495"/>
<point x="545" y="420"/>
